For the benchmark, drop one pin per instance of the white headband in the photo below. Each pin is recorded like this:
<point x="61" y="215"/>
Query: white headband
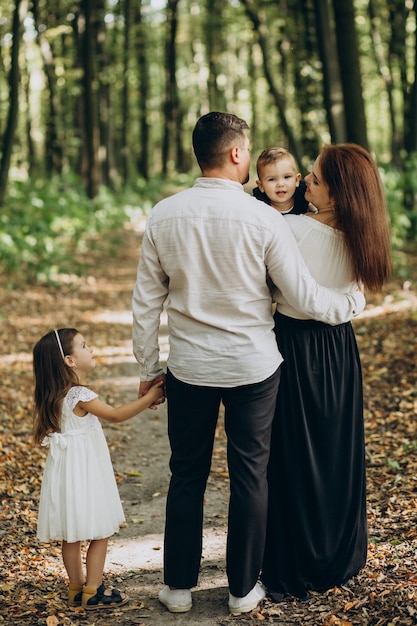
<point x="59" y="344"/>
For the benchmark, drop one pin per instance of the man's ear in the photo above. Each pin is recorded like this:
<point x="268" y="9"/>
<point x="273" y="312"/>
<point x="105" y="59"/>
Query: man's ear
<point x="235" y="154"/>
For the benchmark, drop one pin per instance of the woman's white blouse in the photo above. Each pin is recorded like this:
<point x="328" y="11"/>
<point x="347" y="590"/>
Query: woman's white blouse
<point x="325" y="254"/>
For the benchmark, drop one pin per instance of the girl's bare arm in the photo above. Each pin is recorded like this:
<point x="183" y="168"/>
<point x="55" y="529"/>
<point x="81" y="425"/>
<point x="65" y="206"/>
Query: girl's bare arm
<point x="126" y="411"/>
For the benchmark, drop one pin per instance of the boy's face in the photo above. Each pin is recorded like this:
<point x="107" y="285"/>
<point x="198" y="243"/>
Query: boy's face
<point x="279" y="181"/>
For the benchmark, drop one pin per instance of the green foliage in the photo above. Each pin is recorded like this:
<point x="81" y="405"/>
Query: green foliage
<point x="401" y="193"/>
<point x="400" y="221"/>
<point x="47" y="228"/>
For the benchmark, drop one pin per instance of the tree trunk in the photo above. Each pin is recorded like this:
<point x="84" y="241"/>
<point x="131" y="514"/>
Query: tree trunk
<point x="172" y="141"/>
<point x="53" y="149"/>
<point x="143" y="93"/>
<point x="386" y="71"/>
<point x="411" y="109"/>
<point x="410" y="121"/>
<point x="90" y="132"/>
<point x="332" y="87"/>
<point x="14" y="77"/>
<point x="31" y="157"/>
<point x="300" y="43"/>
<point x="106" y="153"/>
<point x="348" y="54"/>
<point x="124" y="150"/>
<point x="214" y="45"/>
<point x="410" y="142"/>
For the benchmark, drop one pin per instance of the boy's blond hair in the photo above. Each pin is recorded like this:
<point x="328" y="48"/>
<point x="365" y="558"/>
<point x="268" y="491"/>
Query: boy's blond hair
<point x="272" y="155"/>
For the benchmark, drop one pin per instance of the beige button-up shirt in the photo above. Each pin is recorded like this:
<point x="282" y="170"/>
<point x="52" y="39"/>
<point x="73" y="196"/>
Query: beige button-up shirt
<point x="205" y="258"/>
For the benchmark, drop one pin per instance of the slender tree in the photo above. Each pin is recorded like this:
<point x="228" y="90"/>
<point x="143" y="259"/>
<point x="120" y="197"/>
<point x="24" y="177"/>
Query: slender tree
<point x="30" y="156"/>
<point x="124" y="152"/>
<point x="385" y="71"/>
<point x="104" y="59"/>
<point x="350" y="71"/>
<point x="213" y="32"/>
<point x="142" y="53"/>
<point x="90" y="169"/>
<point x="332" y="87"/>
<point x="172" y="105"/>
<point x="298" y="51"/>
<point x="410" y="141"/>
<point x="14" y="78"/>
<point x="410" y="108"/>
<point x="53" y="148"/>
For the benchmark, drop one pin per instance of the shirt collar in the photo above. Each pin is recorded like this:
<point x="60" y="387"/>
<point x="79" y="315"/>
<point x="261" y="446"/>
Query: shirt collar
<point x="217" y="183"/>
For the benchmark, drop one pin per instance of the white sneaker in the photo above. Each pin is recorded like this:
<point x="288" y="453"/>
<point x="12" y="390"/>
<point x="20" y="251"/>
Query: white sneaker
<point x="176" y="600"/>
<point x="247" y="603"/>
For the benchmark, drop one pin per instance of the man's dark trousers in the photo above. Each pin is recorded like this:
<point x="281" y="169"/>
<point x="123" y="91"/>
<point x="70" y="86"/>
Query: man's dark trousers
<point x="192" y="418"/>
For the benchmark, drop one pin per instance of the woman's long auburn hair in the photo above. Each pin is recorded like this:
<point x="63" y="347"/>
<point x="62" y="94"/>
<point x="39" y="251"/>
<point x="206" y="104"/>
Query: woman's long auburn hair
<point x="53" y="379"/>
<point x="361" y="213"/>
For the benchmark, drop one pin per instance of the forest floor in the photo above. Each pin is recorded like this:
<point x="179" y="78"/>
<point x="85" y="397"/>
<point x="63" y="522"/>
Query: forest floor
<point x="32" y="578"/>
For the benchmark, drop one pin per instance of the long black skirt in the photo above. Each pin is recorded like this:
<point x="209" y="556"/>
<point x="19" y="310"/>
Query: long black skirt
<point x="317" y="522"/>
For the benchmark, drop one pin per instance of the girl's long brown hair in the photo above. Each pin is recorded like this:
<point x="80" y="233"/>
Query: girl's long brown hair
<point x="53" y="379"/>
<point x="361" y="213"/>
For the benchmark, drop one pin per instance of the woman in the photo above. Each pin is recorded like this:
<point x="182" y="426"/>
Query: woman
<point x="317" y="525"/>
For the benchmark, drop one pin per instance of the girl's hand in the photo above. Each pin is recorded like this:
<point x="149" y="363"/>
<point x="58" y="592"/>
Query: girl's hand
<point x="146" y="386"/>
<point x="156" y="392"/>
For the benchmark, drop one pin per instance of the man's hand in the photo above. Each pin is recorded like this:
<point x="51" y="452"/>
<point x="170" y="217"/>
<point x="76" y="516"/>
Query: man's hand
<point x="145" y="386"/>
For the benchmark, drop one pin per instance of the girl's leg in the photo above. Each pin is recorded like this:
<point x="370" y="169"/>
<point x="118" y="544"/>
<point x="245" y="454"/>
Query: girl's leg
<point x="71" y="555"/>
<point x="95" y="595"/>
<point x="96" y="557"/>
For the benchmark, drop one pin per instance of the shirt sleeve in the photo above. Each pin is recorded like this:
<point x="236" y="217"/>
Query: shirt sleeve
<point x="149" y="295"/>
<point x="289" y="272"/>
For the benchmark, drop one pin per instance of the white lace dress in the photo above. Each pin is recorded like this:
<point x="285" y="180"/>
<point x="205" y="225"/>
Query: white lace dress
<point x="79" y="496"/>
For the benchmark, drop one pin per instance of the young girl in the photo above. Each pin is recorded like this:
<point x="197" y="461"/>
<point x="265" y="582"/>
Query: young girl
<point x="79" y="497"/>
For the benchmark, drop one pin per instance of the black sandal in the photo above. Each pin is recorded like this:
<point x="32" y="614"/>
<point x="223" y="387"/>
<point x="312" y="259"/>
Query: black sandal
<point x="98" y="598"/>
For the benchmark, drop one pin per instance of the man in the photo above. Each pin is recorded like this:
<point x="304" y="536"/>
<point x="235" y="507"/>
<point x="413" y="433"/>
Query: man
<point x="206" y="255"/>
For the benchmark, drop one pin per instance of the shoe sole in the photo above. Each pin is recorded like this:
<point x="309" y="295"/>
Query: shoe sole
<point x="242" y="611"/>
<point x="245" y="609"/>
<point x="110" y="605"/>
<point x="176" y="609"/>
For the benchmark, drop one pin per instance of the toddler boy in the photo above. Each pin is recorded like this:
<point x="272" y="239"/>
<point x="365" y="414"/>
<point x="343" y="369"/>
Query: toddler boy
<point x="279" y="183"/>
